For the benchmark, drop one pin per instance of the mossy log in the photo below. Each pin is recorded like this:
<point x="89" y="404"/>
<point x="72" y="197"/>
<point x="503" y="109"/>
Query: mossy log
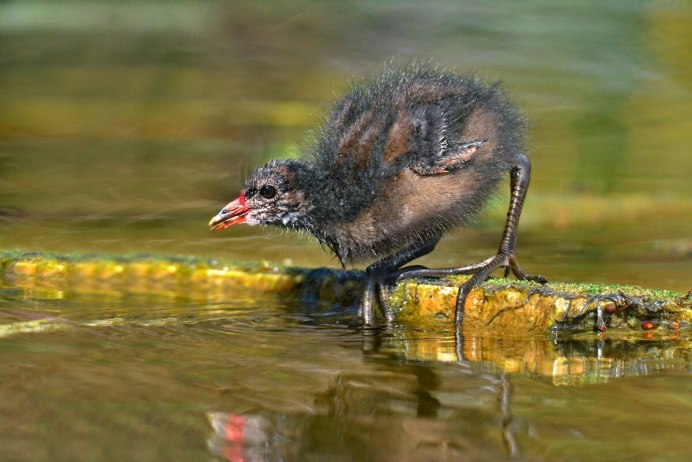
<point x="497" y="305"/>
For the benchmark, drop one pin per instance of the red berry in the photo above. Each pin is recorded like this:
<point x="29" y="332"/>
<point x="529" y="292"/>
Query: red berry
<point x="610" y="308"/>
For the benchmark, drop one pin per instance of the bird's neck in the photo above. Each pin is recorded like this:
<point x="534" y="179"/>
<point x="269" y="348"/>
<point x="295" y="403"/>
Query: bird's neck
<point x="332" y="198"/>
<point x="331" y="205"/>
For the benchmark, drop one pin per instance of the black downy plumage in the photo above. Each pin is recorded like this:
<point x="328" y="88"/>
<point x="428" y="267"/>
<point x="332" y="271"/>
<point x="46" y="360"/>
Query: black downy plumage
<point x="399" y="161"/>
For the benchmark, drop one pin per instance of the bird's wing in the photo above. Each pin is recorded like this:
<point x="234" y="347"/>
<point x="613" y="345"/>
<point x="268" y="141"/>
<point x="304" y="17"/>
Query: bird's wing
<point x="434" y="153"/>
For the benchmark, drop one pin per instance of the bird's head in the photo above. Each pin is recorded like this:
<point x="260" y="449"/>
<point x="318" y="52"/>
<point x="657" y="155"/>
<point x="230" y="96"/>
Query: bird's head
<point x="273" y="195"/>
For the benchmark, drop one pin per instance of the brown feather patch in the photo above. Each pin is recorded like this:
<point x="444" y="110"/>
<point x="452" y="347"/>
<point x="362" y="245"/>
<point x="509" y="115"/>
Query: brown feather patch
<point x="461" y="156"/>
<point x="398" y="142"/>
<point x="367" y="142"/>
<point x="481" y="125"/>
<point x="430" y="92"/>
<point x="350" y="139"/>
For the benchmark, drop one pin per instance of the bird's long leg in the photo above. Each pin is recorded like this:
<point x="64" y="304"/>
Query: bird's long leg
<point x="520" y="176"/>
<point x="378" y="272"/>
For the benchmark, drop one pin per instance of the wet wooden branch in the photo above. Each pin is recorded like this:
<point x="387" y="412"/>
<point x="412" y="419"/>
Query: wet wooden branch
<point x="497" y="305"/>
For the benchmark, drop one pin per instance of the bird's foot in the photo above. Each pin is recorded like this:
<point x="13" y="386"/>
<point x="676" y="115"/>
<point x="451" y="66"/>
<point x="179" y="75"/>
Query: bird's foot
<point x="479" y="272"/>
<point x="375" y="290"/>
<point x="482" y="271"/>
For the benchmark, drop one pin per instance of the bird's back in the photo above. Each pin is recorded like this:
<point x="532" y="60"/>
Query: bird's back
<point x="381" y="149"/>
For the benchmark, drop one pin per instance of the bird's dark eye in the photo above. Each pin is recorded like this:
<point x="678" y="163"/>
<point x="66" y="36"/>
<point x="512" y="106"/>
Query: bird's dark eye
<point x="267" y="191"/>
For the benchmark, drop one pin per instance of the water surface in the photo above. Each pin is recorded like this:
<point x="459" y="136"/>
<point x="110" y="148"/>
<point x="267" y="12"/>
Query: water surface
<point x="149" y="377"/>
<point x="125" y="126"/>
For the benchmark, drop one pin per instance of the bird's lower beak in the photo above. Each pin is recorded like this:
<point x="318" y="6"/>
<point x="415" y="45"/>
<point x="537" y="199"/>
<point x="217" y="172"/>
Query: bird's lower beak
<point x="233" y="214"/>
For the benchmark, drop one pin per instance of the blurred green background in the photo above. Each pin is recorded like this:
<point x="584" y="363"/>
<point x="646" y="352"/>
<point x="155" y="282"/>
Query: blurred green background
<point x="125" y="125"/>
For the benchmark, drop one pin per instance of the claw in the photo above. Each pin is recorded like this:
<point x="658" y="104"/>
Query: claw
<point x="509" y="261"/>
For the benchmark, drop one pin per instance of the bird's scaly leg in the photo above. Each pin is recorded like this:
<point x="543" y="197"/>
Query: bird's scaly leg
<point x="520" y="176"/>
<point x="377" y="274"/>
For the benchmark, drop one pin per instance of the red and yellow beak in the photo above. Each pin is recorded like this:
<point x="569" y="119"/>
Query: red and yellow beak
<point x="233" y="214"/>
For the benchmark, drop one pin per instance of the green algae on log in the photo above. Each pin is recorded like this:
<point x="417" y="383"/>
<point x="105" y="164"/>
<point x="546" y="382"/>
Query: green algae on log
<point x="507" y="305"/>
<point x="497" y="304"/>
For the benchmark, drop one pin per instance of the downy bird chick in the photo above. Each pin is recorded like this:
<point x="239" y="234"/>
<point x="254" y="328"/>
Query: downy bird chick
<point x="398" y="162"/>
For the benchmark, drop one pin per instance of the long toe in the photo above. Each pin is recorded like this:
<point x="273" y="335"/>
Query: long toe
<point x="383" y="292"/>
<point x="519" y="273"/>
<point x="536" y="278"/>
<point x="367" y="312"/>
<point x="483" y="272"/>
<point x="409" y="272"/>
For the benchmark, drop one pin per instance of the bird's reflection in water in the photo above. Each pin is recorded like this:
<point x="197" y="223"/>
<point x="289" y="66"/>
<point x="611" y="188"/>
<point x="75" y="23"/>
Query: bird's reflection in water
<point x="392" y="409"/>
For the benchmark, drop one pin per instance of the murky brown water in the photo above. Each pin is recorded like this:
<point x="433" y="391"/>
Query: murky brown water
<point x="124" y="127"/>
<point x="146" y="377"/>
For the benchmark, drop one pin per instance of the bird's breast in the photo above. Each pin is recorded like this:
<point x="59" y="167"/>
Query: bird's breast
<point x="406" y="208"/>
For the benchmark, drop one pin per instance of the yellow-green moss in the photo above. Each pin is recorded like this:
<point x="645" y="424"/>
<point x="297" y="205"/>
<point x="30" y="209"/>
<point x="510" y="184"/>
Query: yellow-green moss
<point x="498" y="304"/>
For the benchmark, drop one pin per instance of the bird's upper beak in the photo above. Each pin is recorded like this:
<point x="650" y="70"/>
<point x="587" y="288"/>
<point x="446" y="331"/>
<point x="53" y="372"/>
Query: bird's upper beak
<point x="230" y="215"/>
